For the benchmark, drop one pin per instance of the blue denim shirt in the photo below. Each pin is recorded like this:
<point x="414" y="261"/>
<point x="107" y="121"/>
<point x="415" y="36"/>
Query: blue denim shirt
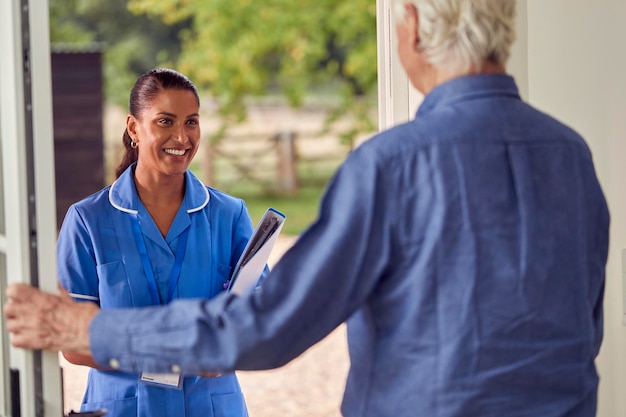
<point x="467" y="248"/>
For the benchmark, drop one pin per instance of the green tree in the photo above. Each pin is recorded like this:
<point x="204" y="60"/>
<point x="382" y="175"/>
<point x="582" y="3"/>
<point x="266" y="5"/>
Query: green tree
<point x="238" y="48"/>
<point x="132" y="44"/>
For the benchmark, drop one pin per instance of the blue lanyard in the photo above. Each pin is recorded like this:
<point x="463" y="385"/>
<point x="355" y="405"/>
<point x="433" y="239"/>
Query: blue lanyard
<point x="181" y="248"/>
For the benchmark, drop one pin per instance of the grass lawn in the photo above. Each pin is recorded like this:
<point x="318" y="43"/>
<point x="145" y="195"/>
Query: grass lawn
<point x="301" y="209"/>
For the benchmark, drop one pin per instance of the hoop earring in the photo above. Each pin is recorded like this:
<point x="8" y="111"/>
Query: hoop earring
<point x="133" y="144"/>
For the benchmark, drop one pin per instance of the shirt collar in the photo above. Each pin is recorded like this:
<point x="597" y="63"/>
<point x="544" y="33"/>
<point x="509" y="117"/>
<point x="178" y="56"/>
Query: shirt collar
<point x="468" y="87"/>
<point x="123" y="194"/>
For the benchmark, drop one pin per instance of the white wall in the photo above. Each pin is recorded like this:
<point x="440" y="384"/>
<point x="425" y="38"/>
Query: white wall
<point x="577" y="72"/>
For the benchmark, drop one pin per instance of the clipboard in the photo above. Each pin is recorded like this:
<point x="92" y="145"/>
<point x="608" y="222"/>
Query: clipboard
<point x="252" y="261"/>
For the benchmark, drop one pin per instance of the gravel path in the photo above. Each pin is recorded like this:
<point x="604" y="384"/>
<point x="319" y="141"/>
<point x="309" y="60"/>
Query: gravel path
<point x="309" y="386"/>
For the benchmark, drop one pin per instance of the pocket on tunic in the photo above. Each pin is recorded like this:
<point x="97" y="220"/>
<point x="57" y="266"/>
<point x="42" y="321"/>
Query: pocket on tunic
<point x="122" y="407"/>
<point x="221" y="277"/>
<point x="229" y="405"/>
<point x="113" y="285"/>
<point x="223" y="271"/>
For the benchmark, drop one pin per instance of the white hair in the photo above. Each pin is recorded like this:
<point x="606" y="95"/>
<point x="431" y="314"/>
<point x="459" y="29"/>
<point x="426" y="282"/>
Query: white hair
<point x="458" y="34"/>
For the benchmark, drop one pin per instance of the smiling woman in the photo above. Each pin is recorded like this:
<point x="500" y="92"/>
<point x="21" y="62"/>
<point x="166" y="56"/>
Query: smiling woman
<point x="166" y="134"/>
<point x="156" y="234"/>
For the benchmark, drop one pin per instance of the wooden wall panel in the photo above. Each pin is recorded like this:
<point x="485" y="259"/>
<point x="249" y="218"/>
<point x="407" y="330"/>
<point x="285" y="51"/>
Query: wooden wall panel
<point x="77" y="102"/>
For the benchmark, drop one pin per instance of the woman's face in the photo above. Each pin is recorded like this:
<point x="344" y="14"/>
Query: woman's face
<point x="167" y="133"/>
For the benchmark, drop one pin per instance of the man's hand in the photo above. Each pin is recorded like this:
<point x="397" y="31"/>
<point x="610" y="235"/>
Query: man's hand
<point x="40" y="320"/>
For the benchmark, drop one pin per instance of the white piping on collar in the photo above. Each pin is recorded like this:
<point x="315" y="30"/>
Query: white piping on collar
<point x="120" y="208"/>
<point x="131" y="211"/>
<point x="206" y="200"/>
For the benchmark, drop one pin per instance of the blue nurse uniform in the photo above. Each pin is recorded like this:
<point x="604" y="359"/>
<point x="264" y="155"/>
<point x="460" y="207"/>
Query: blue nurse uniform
<point x="99" y="261"/>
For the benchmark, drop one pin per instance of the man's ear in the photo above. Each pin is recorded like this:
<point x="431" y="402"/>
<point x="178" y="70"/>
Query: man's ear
<point x="412" y="22"/>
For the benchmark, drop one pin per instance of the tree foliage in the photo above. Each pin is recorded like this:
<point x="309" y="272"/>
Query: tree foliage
<point x="237" y="48"/>
<point x="234" y="49"/>
<point x="132" y="44"/>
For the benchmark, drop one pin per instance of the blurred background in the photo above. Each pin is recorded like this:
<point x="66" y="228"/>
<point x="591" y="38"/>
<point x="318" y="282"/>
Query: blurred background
<point x="287" y="89"/>
<point x="277" y="67"/>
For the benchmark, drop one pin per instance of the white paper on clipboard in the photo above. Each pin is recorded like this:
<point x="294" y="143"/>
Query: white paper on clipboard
<point x="256" y="253"/>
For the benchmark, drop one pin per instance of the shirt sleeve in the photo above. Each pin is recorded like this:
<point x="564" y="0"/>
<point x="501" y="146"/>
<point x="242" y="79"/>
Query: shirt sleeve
<point x="329" y="273"/>
<point x="76" y="258"/>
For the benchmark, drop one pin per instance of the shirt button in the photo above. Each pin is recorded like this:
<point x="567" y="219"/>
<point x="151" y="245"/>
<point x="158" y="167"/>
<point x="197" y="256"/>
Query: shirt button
<point x="114" y="363"/>
<point x="176" y="369"/>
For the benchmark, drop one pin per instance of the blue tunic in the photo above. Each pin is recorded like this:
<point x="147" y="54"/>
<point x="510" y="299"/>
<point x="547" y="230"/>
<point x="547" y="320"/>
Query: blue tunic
<point x="98" y="260"/>
<point x="467" y="247"/>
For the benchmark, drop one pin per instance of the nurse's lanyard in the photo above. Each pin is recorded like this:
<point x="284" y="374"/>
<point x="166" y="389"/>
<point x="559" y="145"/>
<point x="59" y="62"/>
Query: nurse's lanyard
<point x="181" y="248"/>
<point x="171" y="380"/>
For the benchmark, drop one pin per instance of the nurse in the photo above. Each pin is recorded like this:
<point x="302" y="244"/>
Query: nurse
<point x="156" y="234"/>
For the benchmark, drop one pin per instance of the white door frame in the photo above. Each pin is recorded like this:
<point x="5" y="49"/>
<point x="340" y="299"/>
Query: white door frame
<point x="397" y="99"/>
<point x="28" y="193"/>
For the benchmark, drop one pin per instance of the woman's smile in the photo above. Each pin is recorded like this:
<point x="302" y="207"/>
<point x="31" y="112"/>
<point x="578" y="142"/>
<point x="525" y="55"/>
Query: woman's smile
<point x="176" y="152"/>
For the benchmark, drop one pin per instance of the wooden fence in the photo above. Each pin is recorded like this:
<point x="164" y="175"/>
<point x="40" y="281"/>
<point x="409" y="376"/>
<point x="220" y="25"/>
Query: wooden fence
<point x="275" y="163"/>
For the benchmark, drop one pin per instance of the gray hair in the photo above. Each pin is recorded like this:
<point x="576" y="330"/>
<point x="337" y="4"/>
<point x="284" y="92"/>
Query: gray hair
<point x="458" y="34"/>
